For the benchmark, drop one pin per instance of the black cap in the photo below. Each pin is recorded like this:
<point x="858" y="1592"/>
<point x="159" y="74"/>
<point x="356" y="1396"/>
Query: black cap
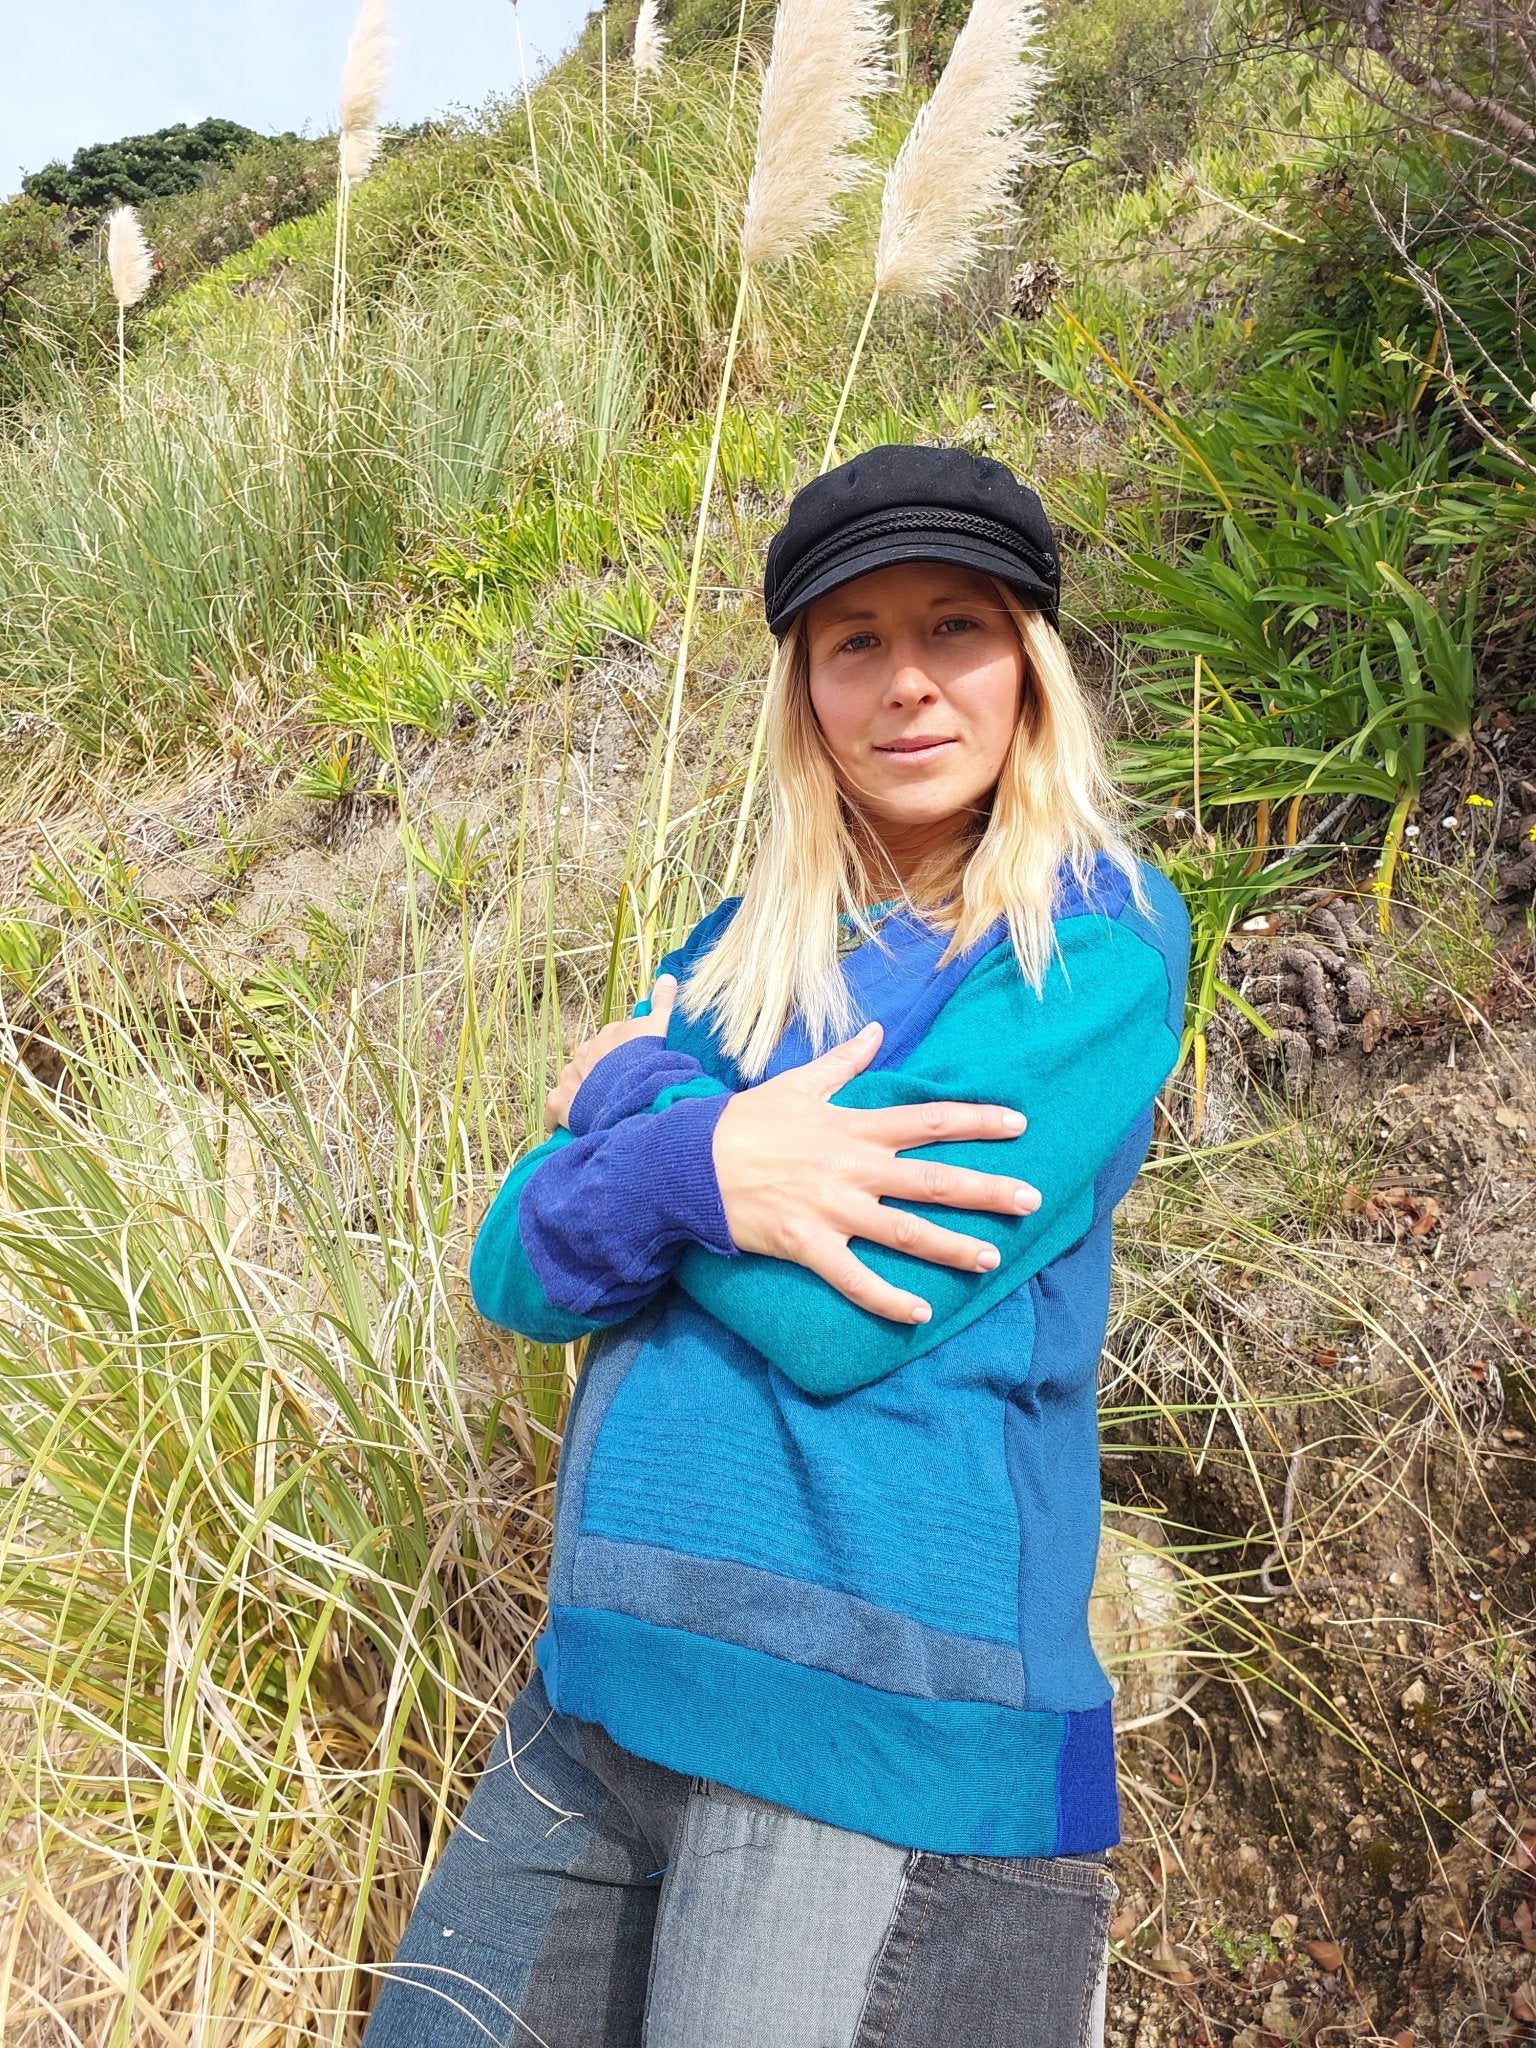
<point x="909" y="504"/>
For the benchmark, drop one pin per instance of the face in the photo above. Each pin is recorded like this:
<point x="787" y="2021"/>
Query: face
<point x="916" y="681"/>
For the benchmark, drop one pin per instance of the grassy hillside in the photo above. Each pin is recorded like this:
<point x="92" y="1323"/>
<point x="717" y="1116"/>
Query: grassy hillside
<point x="336" y="700"/>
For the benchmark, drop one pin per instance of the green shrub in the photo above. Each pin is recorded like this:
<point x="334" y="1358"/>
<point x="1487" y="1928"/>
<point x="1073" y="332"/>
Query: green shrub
<point x="271" y="182"/>
<point x="1130" y="78"/>
<point x="34" y="239"/>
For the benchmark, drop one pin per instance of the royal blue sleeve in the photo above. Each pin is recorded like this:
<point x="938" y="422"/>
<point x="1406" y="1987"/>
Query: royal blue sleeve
<point x="590" y="1224"/>
<point x="502" y="1283"/>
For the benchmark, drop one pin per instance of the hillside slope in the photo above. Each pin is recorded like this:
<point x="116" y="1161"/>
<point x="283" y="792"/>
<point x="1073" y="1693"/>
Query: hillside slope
<point x="337" y="709"/>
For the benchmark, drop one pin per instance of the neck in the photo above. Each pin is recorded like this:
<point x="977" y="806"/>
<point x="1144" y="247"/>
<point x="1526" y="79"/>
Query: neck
<point x="897" y="855"/>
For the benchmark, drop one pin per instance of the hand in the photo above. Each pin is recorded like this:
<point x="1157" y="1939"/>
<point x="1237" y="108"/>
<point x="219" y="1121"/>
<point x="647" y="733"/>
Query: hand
<point x="799" y="1178"/>
<point x="557" y="1103"/>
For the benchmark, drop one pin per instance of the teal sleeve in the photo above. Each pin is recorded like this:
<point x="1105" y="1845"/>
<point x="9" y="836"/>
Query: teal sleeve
<point x="1083" y="1060"/>
<point x="502" y="1283"/>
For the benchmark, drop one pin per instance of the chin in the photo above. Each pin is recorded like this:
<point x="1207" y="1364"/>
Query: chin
<point x="932" y="809"/>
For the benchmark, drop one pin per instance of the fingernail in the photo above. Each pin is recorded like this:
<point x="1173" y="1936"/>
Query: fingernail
<point x="1012" y="1121"/>
<point x="1027" y="1199"/>
<point x="921" y="1312"/>
<point x="988" y="1258"/>
<point x="868" y="1028"/>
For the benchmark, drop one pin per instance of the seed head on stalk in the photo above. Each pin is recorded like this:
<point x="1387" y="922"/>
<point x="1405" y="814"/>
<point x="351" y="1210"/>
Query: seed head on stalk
<point x="948" y="190"/>
<point x="825" y="62"/>
<point x="522" y="72"/>
<point x="950" y="182"/>
<point x="363" y="78"/>
<point x="827" y="57"/>
<point x="650" y="41"/>
<point x="131" y="268"/>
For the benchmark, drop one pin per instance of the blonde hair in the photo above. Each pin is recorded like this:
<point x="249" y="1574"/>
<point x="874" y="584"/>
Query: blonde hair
<point x="1053" y="802"/>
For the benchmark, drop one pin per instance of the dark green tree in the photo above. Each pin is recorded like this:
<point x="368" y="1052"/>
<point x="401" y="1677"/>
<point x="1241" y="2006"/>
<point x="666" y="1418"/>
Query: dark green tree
<point x="140" y="167"/>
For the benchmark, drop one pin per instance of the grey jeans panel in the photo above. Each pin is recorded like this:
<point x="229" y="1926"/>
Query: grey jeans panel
<point x="769" y="1927"/>
<point x="997" y="1952"/>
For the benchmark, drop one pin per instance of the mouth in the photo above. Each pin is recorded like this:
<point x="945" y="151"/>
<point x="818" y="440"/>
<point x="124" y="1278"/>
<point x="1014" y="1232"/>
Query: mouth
<point x="917" y="747"/>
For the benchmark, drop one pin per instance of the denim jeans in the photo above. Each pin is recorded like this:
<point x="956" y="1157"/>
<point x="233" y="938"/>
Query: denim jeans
<point x="591" y="1899"/>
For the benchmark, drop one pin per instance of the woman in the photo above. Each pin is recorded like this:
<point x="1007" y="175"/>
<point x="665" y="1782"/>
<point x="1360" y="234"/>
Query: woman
<point x="816" y="1752"/>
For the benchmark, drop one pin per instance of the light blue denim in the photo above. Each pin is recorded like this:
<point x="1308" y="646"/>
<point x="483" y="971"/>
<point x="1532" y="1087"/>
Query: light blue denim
<point x="591" y="1899"/>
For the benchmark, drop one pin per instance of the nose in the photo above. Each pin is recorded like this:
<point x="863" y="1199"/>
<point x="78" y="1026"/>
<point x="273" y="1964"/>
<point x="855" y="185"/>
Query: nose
<point x="908" y="681"/>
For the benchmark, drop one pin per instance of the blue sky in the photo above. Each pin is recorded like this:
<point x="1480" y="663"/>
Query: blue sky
<point x="83" y="71"/>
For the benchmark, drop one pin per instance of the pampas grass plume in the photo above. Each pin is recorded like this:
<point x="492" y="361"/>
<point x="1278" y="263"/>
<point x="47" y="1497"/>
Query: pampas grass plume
<point x="358" y="147"/>
<point x="131" y="268"/>
<point x="130" y="262"/>
<point x="828" y="56"/>
<point x="950" y="180"/>
<point x="650" y="39"/>
<point x="363" y="78"/>
<point x="366" y="68"/>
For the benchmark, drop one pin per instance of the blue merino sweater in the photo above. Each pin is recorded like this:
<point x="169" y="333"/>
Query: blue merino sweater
<point x="834" y="1560"/>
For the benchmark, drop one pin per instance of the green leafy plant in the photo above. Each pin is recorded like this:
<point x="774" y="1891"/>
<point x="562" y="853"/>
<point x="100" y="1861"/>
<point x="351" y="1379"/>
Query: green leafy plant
<point x="406" y="675"/>
<point x="1221" y="884"/>
<point x="455" y="861"/>
<point x="26" y="950"/>
<point x="516" y="557"/>
<point x="627" y="609"/>
<point x="82" y="878"/>
<point x="335" y="775"/>
<point x="1314" y="637"/>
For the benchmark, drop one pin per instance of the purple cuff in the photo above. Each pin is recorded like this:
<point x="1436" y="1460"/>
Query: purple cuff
<point x="605" y="1219"/>
<point x="627" y="1080"/>
<point x="686" y="1190"/>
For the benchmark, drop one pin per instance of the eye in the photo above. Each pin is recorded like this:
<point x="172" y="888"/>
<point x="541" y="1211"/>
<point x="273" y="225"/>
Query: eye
<point x="852" y="643"/>
<point x="956" y="619"/>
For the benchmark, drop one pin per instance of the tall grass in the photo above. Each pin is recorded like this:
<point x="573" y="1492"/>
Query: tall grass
<point x="271" y="1552"/>
<point x="162" y="575"/>
<point x="252" y="1565"/>
<point x="167" y="574"/>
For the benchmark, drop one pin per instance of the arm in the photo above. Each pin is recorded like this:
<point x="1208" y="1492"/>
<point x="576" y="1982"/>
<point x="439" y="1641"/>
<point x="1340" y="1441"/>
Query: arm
<point x="1083" y="1062"/>
<point x="588" y="1225"/>
<point x="502" y="1284"/>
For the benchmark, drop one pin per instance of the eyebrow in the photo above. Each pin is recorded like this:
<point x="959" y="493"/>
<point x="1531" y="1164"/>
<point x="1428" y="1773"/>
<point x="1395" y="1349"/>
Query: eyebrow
<point x="844" y="618"/>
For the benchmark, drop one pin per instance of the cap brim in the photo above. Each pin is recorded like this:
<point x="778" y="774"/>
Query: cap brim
<point x="939" y="546"/>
